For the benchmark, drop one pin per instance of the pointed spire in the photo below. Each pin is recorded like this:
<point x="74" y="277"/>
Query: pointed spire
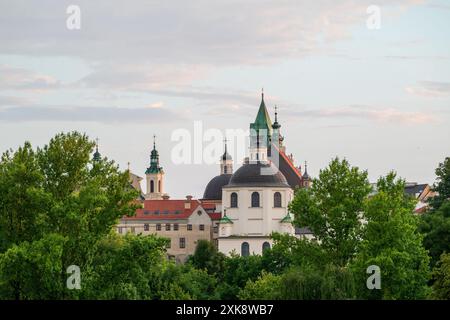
<point x="97" y="156"/>
<point x="306" y="175"/>
<point x="276" y="125"/>
<point x="154" y="159"/>
<point x="226" y="155"/>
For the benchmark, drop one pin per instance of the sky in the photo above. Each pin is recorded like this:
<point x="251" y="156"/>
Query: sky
<point x="369" y="86"/>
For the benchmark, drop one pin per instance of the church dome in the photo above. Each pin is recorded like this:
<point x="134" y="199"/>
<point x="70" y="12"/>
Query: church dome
<point x="213" y="190"/>
<point x="250" y="175"/>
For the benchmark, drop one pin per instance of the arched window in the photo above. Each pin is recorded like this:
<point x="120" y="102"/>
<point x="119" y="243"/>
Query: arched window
<point x="245" y="249"/>
<point x="234" y="200"/>
<point x="277" y="200"/>
<point x="152" y="186"/>
<point x="225" y="169"/>
<point x="255" y="199"/>
<point x="265" y="246"/>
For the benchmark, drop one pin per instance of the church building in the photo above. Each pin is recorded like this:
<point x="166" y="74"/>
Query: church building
<point x="254" y="199"/>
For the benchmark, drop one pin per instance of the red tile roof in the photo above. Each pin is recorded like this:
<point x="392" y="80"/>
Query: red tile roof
<point x="165" y="210"/>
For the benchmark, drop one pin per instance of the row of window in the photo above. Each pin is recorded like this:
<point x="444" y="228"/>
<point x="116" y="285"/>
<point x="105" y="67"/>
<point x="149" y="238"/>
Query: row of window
<point x="245" y="248"/>
<point x="201" y="227"/>
<point x="255" y="200"/>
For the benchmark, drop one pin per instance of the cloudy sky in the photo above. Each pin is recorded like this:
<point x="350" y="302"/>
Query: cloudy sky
<point x="379" y="97"/>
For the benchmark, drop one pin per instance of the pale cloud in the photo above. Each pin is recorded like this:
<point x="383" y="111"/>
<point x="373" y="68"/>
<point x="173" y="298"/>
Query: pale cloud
<point x="12" y="78"/>
<point x="111" y="115"/>
<point x="369" y="113"/>
<point x="201" y="32"/>
<point x="431" y="89"/>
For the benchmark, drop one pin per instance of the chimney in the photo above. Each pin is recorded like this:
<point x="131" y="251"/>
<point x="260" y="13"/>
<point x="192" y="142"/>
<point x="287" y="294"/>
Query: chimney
<point x="166" y="197"/>
<point x="187" y="202"/>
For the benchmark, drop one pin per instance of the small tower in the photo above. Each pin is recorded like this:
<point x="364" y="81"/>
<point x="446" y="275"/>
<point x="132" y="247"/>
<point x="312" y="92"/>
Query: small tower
<point x="225" y="225"/>
<point x="226" y="162"/>
<point x="260" y="134"/>
<point x="306" y="179"/>
<point x="286" y="225"/>
<point x="97" y="156"/>
<point x="155" y="176"/>
<point x="277" y="137"/>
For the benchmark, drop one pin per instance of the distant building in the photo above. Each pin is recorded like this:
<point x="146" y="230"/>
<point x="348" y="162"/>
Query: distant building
<point x="183" y="222"/>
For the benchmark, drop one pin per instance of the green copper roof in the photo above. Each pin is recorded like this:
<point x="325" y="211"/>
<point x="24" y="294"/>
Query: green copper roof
<point x="286" y="219"/>
<point x="225" y="219"/>
<point x="97" y="156"/>
<point x="154" y="161"/>
<point x="262" y="120"/>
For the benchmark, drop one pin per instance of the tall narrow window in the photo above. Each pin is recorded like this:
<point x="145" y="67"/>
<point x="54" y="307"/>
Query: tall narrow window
<point x="277" y="200"/>
<point x="146" y="227"/>
<point x="152" y="186"/>
<point x="158" y="227"/>
<point x="225" y="170"/>
<point x="245" y="249"/>
<point x="265" y="246"/>
<point x="234" y="200"/>
<point x="182" y="243"/>
<point x="255" y="199"/>
<point x="159" y="186"/>
<point x="167" y="226"/>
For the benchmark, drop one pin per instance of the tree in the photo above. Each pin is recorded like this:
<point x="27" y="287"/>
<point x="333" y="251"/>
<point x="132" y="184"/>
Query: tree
<point x="206" y="257"/>
<point x="58" y="189"/>
<point x="237" y="271"/>
<point x="266" y="287"/>
<point x="332" y="208"/>
<point x="441" y="277"/>
<point x="435" y="226"/>
<point x="123" y="267"/>
<point x="392" y="242"/>
<point x="442" y="185"/>
<point x="24" y="204"/>
<point x="32" y="270"/>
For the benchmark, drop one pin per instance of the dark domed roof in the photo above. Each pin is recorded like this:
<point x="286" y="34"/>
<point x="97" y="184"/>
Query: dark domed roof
<point x="250" y="175"/>
<point x="213" y="190"/>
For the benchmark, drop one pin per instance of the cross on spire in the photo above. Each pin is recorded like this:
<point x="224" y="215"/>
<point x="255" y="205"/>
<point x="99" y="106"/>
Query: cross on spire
<point x="154" y="141"/>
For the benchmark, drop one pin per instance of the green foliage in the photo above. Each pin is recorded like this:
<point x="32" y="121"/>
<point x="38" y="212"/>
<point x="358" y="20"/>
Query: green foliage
<point x="122" y="267"/>
<point x="206" y="257"/>
<point x="237" y="271"/>
<point x="391" y="241"/>
<point x="441" y="277"/>
<point x="33" y="270"/>
<point x="310" y="283"/>
<point x="435" y="225"/>
<point x="442" y="185"/>
<point x="266" y="287"/>
<point x="331" y="208"/>
<point x="58" y="189"/>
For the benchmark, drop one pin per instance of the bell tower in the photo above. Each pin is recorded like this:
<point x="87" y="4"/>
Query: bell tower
<point x="226" y="162"/>
<point x="154" y="176"/>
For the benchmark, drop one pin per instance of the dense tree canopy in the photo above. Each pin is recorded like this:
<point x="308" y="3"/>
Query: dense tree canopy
<point x="58" y="207"/>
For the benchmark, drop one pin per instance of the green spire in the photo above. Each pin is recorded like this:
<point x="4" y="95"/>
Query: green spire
<point x="154" y="160"/>
<point x="97" y="156"/>
<point x="262" y="121"/>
